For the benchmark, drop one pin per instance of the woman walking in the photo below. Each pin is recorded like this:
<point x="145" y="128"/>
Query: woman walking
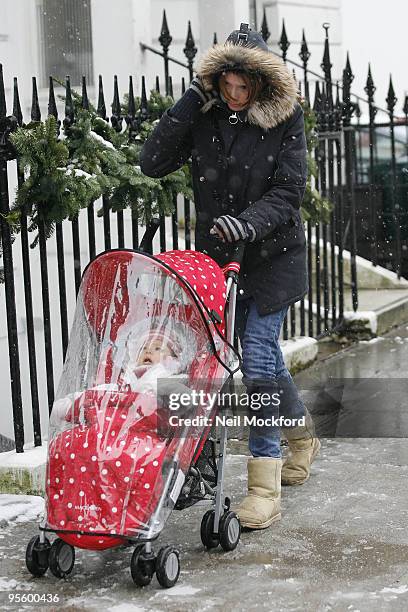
<point x="241" y="123"/>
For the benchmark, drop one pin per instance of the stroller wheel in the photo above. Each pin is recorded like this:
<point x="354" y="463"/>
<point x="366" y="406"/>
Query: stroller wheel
<point x="230" y="530"/>
<point x="208" y="537"/>
<point x="141" y="567"/>
<point x="37" y="556"/>
<point x="62" y="558"/>
<point x="167" y="566"/>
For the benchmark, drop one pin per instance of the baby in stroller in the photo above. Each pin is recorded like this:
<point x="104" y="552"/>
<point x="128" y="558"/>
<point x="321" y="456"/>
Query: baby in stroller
<point x="150" y="357"/>
<point x="156" y="358"/>
<point x="119" y="435"/>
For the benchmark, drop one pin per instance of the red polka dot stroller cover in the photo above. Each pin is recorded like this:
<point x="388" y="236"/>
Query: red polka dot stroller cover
<point x="146" y="330"/>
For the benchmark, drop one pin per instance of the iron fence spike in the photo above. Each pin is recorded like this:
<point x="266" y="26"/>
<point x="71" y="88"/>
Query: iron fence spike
<point x="116" y="118"/>
<point x="131" y="100"/>
<point x="190" y="50"/>
<point x="304" y="51"/>
<point x="405" y="107"/>
<point x="326" y="64"/>
<point x="264" y="27"/>
<point x="348" y="106"/>
<point x="116" y="102"/>
<point x="101" y="110"/>
<point x="131" y="121"/>
<point x="165" y="38"/>
<point x="3" y="107"/>
<point x="370" y="87"/>
<point x="391" y="99"/>
<point x="143" y="97"/>
<point x="35" y="107"/>
<point x="317" y="98"/>
<point x="52" y="106"/>
<point x="16" y="104"/>
<point x="84" y="100"/>
<point x="284" y="43"/>
<point x="69" y="106"/>
<point x="144" y="110"/>
<point x="348" y="70"/>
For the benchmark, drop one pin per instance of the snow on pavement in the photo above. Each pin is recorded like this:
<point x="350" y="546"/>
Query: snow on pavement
<point x="179" y="589"/>
<point x="398" y="590"/>
<point x="126" y="607"/>
<point x="20" y="508"/>
<point x="10" y="584"/>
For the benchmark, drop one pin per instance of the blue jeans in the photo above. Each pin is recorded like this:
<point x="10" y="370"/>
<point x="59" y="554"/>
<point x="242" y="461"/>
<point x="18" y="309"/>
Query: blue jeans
<point x="263" y="368"/>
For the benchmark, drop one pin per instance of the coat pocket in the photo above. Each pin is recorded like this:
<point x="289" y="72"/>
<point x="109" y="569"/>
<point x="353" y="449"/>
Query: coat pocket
<point x="280" y="241"/>
<point x="291" y="169"/>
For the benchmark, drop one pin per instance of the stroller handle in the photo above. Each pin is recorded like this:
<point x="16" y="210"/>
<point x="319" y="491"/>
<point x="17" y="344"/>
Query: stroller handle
<point x="146" y="244"/>
<point x="231" y="269"/>
<point x="238" y="252"/>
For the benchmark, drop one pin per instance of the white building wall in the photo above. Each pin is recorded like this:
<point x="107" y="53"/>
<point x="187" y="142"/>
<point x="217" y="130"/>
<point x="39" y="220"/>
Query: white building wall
<point x="112" y="39"/>
<point x="19" y="52"/>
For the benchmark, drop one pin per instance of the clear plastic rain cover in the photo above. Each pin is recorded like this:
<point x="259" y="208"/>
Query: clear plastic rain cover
<point x="115" y="465"/>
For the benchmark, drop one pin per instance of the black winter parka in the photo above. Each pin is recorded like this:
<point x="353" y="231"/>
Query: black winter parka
<point x="255" y="169"/>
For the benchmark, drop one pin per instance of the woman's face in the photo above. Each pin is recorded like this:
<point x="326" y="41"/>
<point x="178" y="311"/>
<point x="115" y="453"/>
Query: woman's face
<point x="235" y="90"/>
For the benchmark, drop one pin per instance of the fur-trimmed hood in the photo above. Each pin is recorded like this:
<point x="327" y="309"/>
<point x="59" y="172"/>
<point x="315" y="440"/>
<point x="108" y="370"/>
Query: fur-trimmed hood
<point x="277" y="100"/>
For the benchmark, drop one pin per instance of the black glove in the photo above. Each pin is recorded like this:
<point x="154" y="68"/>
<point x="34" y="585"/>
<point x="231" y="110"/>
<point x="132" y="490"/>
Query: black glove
<point x="197" y="86"/>
<point x="231" y="229"/>
<point x="188" y="106"/>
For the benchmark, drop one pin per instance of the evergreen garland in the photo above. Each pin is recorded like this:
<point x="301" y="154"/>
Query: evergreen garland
<point x="53" y="189"/>
<point x="67" y="173"/>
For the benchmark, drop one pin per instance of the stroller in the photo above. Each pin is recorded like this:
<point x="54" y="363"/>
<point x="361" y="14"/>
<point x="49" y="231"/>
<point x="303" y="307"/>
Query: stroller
<point x="118" y="464"/>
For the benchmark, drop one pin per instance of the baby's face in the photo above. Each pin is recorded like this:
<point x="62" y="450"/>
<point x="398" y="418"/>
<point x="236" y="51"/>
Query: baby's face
<point x="154" y="352"/>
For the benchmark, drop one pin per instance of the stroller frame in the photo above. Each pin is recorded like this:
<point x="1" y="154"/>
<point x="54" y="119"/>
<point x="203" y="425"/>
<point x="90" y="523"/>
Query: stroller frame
<point x="230" y="322"/>
<point x="211" y="529"/>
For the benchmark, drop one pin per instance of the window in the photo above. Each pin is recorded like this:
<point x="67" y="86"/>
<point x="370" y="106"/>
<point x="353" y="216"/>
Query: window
<point x="65" y="38"/>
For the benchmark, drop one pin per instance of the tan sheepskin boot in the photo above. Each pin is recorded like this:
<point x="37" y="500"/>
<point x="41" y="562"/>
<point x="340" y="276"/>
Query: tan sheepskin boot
<point x="261" y="506"/>
<point x="296" y="468"/>
<point x="303" y="447"/>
